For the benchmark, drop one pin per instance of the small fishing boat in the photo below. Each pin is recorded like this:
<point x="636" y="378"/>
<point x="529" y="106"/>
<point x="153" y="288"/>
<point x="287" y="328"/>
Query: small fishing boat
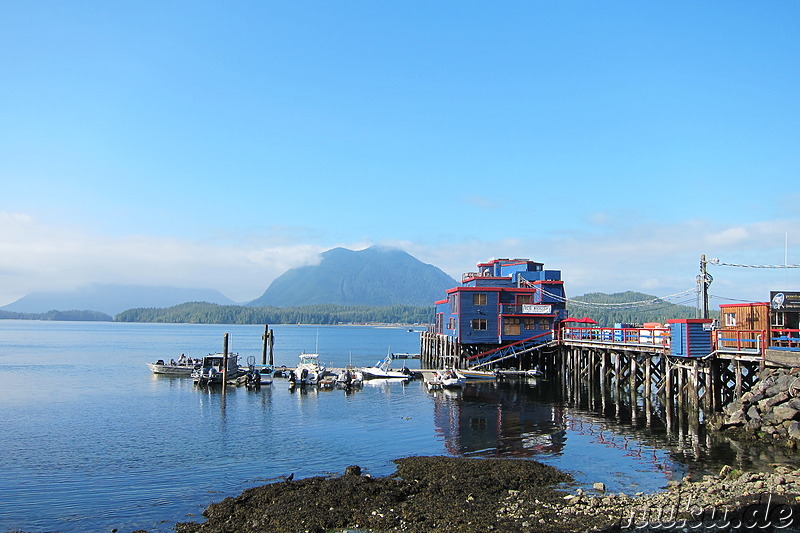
<point x="478" y="374"/>
<point x="450" y="378"/>
<point x="309" y="372"/>
<point x="327" y="383"/>
<point x="350" y="377"/>
<point x="255" y="377"/>
<point x="182" y="368"/>
<point x="211" y="369"/>
<point x="382" y="370"/>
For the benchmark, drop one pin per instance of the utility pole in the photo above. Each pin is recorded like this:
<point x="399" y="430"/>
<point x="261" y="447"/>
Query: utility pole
<point x="703" y="280"/>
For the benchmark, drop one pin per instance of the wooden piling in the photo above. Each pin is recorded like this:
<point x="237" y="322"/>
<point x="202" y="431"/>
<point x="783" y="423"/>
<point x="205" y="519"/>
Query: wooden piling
<point x="265" y="339"/>
<point x="224" y="362"/>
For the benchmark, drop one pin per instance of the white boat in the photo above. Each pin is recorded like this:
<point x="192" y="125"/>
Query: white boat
<point x="382" y="370"/>
<point x="181" y="368"/>
<point x="478" y="374"/>
<point x="255" y="377"/>
<point x="450" y="378"/>
<point x="350" y="377"/>
<point x="210" y="370"/>
<point x="308" y="372"/>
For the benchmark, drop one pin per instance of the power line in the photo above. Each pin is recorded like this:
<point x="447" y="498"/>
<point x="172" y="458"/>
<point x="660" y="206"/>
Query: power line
<point x="717" y="262"/>
<point x="622" y="305"/>
<point x="733" y="299"/>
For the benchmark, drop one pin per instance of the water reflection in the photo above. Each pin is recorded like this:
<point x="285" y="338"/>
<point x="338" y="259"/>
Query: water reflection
<point x="498" y="418"/>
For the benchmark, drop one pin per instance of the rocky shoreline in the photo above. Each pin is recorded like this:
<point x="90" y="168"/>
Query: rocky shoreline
<point x="469" y="495"/>
<point x="770" y="411"/>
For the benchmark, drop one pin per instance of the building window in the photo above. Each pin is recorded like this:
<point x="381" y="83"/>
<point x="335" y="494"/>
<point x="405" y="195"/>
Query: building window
<point x="451" y="323"/>
<point x="511" y="326"/>
<point x="544" y="324"/>
<point x="523" y="298"/>
<point x="453" y="300"/>
<point x="530" y="323"/>
<point x="478" y="323"/>
<point x="730" y="319"/>
<point x="479" y="298"/>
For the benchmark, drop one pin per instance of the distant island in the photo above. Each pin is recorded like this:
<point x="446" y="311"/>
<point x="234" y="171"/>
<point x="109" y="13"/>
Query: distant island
<point x="206" y="313"/>
<point x="89" y="316"/>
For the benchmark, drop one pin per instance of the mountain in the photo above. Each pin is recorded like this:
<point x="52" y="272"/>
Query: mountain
<point x="376" y="276"/>
<point x="112" y="299"/>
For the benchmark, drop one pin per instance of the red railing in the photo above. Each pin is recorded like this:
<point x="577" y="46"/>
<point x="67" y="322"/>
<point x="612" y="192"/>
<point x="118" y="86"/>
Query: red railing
<point x="655" y="336"/>
<point x="784" y="338"/>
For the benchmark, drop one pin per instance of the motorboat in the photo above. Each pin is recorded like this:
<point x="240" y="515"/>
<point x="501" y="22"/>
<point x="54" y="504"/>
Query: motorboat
<point x="382" y="370"/>
<point x="350" y="377"/>
<point x="255" y="377"/>
<point x="182" y="368"/>
<point x="308" y="372"/>
<point x="449" y="378"/>
<point x="478" y="374"/>
<point x="211" y="369"/>
<point x="327" y="383"/>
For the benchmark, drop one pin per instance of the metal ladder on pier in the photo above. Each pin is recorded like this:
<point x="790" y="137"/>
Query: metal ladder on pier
<point x="515" y="349"/>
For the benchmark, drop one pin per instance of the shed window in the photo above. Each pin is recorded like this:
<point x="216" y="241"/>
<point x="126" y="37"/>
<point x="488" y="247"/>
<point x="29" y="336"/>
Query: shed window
<point x="478" y="323"/>
<point x="730" y="319"/>
<point x="479" y="298"/>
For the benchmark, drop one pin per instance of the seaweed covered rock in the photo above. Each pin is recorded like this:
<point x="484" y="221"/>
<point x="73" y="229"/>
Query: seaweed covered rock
<point x="425" y="494"/>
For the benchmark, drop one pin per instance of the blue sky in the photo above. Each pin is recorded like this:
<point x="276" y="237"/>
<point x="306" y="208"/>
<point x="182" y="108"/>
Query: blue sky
<point x="217" y="144"/>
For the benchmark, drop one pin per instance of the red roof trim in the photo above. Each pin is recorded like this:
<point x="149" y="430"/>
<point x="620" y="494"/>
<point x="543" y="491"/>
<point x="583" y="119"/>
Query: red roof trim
<point x="754" y="304"/>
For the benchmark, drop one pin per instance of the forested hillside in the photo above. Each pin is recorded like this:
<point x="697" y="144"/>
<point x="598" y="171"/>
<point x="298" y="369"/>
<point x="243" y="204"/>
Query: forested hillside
<point x="90" y="316"/>
<point x="205" y="313"/>
<point x="626" y="307"/>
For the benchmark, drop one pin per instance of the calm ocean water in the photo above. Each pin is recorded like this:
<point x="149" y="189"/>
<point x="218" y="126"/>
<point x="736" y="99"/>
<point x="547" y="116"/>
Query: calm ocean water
<point x="93" y="441"/>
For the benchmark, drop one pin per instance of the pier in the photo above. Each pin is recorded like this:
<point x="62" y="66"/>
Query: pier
<point x="632" y="366"/>
<point x="511" y="314"/>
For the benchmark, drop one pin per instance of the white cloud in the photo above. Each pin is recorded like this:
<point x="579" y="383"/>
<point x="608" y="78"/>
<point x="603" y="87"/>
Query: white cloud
<point x="729" y="237"/>
<point x="34" y="257"/>
<point x="649" y="257"/>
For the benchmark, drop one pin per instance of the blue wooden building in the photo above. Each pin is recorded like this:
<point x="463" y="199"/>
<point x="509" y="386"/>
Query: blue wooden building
<point x="505" y="301"/>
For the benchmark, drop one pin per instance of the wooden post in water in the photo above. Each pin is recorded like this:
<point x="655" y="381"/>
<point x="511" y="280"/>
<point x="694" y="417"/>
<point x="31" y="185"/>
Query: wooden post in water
<point x="271" y="348"/>
<point x="265" y="338"/>
<point x="667" y="380"/>
<point x="224" y="362"/>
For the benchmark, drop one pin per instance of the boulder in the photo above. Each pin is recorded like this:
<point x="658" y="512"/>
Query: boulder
<point x="785" y="412"/>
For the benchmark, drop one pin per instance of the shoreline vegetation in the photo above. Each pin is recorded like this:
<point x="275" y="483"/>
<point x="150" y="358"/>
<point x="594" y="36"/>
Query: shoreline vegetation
<point x="452" y="494"/>
<point x="207" y="313"/>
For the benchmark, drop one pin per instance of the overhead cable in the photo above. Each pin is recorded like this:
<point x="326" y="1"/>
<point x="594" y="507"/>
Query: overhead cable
<point x="717" y="262"/>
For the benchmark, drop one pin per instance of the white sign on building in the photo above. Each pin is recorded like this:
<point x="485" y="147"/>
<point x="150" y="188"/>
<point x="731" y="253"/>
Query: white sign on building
<point x="537" y="309"/>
